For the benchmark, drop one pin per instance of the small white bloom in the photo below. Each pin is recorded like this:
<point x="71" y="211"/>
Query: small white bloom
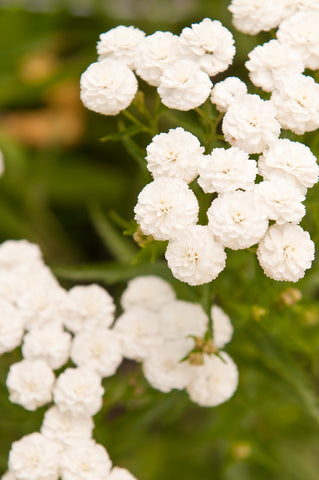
<point x="138" y="331"/>
<point x="271" y="61"/>
<point x="118" y="473"/>
<point x="300" y="32"/>
<point x="79" y="391"/>
<point x="147" y="292"/>
<point x="297" y="103"/>
<point x="291" y="158"/>
<point x="214" y="382"/>
<point x="108" y="87"/>
<point x="211" y="45"/>
<point x="226" y="92"/>
<point x="194" y="256"/>
<point x="163" y="368"/>
<point x="222" y="327"/>
<point x="50" y="343"/>
<point x="250" y="124"/>
<point x="11" y="326"/>
<point x="90" y="307"/>
<point x="236" y="220"/>
<point x="35" y="457"/>
<point x="120" y="43"/>
<point x="41" y="305"/>
<point x="30" y="383"/>
<point x="281" y="200"/>
<point x="65" y="427"/>
<point x="179" y="319"/>
<point x="253" y="16"/>
<point x="184" y="86"/>
<point x="14" y="253"/>
<point x="99" y="350"/>
<point x="174" y="154"/>
<point x="154" y="54"/>
<point x="165" y="207"/>
<point x="285" y="252"/>
<point x="226" y="170"/>
<point x="85" y="461"/>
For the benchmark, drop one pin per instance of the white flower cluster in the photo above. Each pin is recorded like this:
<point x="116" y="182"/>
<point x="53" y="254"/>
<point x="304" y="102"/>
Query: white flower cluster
<point x="167" y="336"/>
<point x="238" y="217"/>
<point x="55" y="325"/>
<point x="179" y="66"/>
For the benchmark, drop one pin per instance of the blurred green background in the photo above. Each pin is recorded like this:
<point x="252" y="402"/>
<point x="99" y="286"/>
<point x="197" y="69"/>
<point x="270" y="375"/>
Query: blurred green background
<point x="74" y="195"/>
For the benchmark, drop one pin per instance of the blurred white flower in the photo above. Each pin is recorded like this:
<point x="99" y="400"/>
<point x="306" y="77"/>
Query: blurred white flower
<point x="11" y="326"/>
<point x="120" y="43"/>
<point x="30" y="383"/>
<point x="222" y="327"/>
<point x="147" y="292"/>
<point x="66" y="427"/>
<point x="85" y="461"/>
<point x="78" y="391"/>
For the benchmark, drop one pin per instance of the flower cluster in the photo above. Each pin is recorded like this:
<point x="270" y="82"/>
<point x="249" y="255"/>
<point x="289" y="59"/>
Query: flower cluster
<point x="54" y="325"/>
<point x="168" y="336"/>
<point x="239" y="215"/>
<point x="179" y="66"/>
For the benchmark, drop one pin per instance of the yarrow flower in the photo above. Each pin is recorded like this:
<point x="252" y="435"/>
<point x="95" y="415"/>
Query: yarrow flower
<point x="226" y="92"/>
<point x="165" y="207"/>
<point x="120" y="43"/>
<point x="176" y="153"/>
<point x="285" y="252"/>
<point x="108" y="87"/>
<point x="211" y="44"/>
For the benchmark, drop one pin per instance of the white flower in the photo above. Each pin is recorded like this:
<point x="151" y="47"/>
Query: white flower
<point x="226" y="170"/>
<point x="156" y="52"/>
<point x="17" y="252"/>
<point x="85" y="461"/>
<point x="99" y="350"/>
<point x="250" y="124"/>
<point x="163" y="368"/>
<point x="147" y="292"/>
<point x="285" y="252"/>
<point x="30" y="383"/>
<point x="271" y="61"/>
<point x="50" y="343"/>
<point x="300" y="32"/>
<point x="291" y="158"/>
<point x="35" y="457"/>
<point x="222" y="327"/>
<point x="90" y="307"/>
<point x="236" y="220"/>
<point x="252" y="16"/>
<point x="108" y="87"/>
<point x="179" y="319"/>
<point x="8" y="475"/>
<point x="297" y="103"/>
<point x="184" y="86"/>
<point x="281" y="200"/>
<point x="214" y="382"/>
<point x="79" y="391"/>
<point x="118" y="473"/>
<point x="11" y="326"/>
<point x="211" y="44"/>
<point x="194" y="256"/>
<point x="226" y="92"/>
<point x="138" y="330"/>
<point x="42" y="304"/>
<point x="65" y="427"/>
<point x="174" y="154"/>
<point x="165" y="207"/>
<point x="120" y="43"/>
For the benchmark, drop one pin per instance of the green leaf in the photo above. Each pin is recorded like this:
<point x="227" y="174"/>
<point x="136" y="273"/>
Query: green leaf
<point x="110" y="273"/>
<point x="128" y="132"/>
<point x="120" y="246"/>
